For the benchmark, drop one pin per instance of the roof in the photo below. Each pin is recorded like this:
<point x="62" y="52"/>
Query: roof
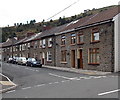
<point x="51" y="31"/>
<point x="92" y="19"/>
<point x="9" y="42"/>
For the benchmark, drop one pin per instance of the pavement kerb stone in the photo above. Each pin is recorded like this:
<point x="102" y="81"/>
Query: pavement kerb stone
<point x="88" y="72"/>
<point x="8" y="89"/>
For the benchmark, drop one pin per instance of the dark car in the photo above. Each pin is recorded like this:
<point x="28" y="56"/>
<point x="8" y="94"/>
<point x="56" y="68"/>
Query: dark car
<point x="33" y="62"/>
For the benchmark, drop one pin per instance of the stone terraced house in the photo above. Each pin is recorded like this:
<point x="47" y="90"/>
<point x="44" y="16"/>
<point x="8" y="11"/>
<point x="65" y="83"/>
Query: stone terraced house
<point x="90" y="43"/>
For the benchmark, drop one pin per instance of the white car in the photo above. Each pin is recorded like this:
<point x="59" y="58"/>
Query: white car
<point x="22" y="60"/>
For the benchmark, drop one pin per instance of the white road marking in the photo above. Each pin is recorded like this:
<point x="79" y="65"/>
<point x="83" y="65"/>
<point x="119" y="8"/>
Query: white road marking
<point x="60" y="76"/>
<point x="56" y="82"/>
<point x="37" y="70"/>
<point x="50" y="83"/>
<point x="39" y="85"/>
<point x="10" y="91"/>
<point x="105" y="93"/>
<point x="26" y="88"/>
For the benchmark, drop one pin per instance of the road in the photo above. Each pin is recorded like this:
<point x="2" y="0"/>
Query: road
<point x="34" y="82"/>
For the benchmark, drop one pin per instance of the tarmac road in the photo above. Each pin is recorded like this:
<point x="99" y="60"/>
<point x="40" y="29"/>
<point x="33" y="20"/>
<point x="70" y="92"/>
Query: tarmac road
<point x="49" y="83"/>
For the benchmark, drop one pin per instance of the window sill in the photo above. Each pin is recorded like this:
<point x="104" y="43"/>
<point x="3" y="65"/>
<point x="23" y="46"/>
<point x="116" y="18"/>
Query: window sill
<point x="50" y="47"/>
<point x="63" y="62"/>
<point x="62" y="45"/>
<point x="95" y="41"/>
<point x="93" y="63"/>
<point x="72" y="44"/>
<point x="49" y="61"/>
<point x="80" y="43"/>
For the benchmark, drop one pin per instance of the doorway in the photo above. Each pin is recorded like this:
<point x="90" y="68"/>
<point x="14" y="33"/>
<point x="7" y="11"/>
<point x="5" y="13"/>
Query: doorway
<point x="43" y="58"/>
<point x="80" y="59"/>
<point x="73" y="58"/>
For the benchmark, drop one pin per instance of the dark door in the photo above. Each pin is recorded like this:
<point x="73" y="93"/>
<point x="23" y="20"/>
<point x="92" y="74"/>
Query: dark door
<point x="81" y="59"/>
<point x="43" y="61"/>
<point x="73" y="58"/>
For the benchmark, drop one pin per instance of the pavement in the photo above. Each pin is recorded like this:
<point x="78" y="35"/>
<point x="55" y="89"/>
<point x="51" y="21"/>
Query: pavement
<point x="88" y="72"/>
<point x="6" y="84"/>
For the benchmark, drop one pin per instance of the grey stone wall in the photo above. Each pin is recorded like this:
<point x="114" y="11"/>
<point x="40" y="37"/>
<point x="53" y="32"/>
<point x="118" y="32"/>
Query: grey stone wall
<point x="105" y="48"/>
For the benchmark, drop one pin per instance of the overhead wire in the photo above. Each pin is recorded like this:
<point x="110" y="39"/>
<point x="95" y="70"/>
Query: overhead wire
<point x="63" y="10"/>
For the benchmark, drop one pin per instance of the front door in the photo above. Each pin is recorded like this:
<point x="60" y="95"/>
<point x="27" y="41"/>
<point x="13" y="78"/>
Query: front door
<point x="73" y="58"/>
<point x="81" y="59"/>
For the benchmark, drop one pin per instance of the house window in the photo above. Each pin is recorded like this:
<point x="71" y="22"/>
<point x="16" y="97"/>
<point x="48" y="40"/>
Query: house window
<point x="80" y="39"/>
<point x="63" y="39"/>
<point x="94" y="56"/>
<point x="20" y="48"/>
<point x="50" y="42"/>
<point x="43" y="43"/>
<point x="73" y="38"/>
<point x="95" y="36"/>
<point x="35" y="45"/>
<point x="63" y="56"/>
<point x="35" y="55"/>
<point x="23" y="46"/>
<point x="14" y="48"/>
<point x="49" y="56"/>
<point x="40" y="45"/>
<point x="28" y="45"/>
<point x="10" y="49"/>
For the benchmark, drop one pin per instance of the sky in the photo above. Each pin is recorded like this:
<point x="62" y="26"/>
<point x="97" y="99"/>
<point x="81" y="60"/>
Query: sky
<point x="21" y="11"/>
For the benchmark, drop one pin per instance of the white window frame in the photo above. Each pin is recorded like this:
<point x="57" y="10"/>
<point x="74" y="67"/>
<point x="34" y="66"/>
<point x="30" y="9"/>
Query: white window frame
<point x="49" y="42"/>
<point x="49" y="56"/>
<point x="43" y="43"/>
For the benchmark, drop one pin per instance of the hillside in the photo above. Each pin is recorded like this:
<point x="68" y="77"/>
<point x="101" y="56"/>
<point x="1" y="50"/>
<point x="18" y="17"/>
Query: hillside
<point x="20" y="28"/>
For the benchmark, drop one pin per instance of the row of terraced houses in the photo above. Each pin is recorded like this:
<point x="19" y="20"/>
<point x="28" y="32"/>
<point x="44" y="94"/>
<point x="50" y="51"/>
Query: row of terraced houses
<point x="90" y="43"/>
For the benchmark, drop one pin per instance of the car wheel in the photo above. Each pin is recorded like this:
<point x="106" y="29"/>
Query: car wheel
<point x="31" y="65"/>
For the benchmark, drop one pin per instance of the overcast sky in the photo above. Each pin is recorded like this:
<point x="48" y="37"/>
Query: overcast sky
<point x="21" y="11"/>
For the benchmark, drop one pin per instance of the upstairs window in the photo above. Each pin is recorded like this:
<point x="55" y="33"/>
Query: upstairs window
<point x="73" y="38"/>
<point x="10" y="49"/>
<point x="40" y="45"/>
<point x="49" y="56"/>
<point x="14" y="48"/>
<point x="63" y="40"/>
<point x="50" y="42"/>
<point x="80" y="38"/>
<point x="20" y="48"/>
<point x="23" y="46"/>
<point x="43" y="43"/>
<point x="94" y="56"/>
<point x="28" y="45"/>
<point x="95" y="37"/>
<point x="35" y="45"/>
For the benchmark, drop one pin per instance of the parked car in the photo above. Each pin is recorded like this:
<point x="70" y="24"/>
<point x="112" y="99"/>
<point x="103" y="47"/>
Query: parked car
<point x="10" y="60"/>
<point x="22" y="60"/>
<point x="15" y="60"/>
<point x="33" y="62"/>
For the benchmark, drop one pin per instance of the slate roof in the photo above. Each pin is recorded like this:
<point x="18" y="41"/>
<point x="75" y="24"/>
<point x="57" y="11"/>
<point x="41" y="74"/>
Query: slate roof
<point x="98" y="17"/>
<point x="10" y="42"/>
